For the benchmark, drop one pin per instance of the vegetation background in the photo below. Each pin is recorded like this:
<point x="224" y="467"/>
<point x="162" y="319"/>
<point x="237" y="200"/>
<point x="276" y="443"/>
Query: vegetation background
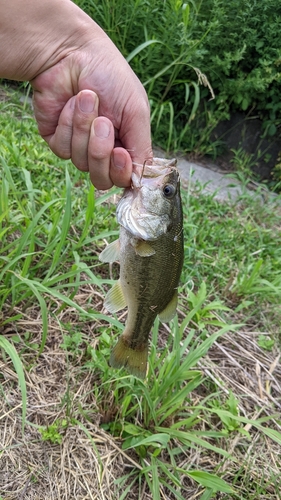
<point x="206" y="422"/>
<point x="185" y="53"/>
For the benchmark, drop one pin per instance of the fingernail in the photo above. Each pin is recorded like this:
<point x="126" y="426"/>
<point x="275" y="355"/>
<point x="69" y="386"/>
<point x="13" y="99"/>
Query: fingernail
<point x="119" y="160"/>
<point x="86" y="103"/>
<point x="102" y="129"/>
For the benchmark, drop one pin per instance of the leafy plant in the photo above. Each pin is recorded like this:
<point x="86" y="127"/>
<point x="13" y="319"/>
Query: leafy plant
<point x="265" y="342"/>
<point x="72" y="342"/>
<point x="245" y="69"/>
<point x="54" y="432"/>
<point x="230" y="424"/>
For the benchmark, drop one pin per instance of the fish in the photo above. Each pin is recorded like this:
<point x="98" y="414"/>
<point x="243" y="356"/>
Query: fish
<point x="150" y="250"/>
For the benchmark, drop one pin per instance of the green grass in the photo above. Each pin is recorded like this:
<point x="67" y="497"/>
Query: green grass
<point x="52" y="227"/>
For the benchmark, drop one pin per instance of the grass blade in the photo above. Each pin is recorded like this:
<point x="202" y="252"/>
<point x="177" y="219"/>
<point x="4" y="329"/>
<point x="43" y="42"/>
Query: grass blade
<point x="210" y="481"/>
<point x="13" y="355"/>
<point x="141" y="47"/>
<point x="65" y="226"/>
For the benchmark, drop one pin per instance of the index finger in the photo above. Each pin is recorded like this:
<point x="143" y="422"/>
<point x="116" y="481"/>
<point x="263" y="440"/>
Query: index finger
<point x="135" y="133"/>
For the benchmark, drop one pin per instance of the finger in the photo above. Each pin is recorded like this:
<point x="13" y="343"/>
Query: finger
<point x="101" y="144"/>
<point x="135" y="130"/>
<point x="60" y="141"/>
<point x="85" y="111"/>
<point x="120" y="167"/>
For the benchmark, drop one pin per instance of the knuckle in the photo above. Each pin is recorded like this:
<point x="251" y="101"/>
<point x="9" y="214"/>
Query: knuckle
<point x="81" y="126"/>
<point x="98" y="154"/>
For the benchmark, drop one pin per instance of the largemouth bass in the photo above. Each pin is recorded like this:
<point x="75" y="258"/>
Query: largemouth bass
<point x="150" y="252"/>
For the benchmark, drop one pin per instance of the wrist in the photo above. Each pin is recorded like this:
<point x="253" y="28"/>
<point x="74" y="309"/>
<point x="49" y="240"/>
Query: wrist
<point x="36" y="35"/>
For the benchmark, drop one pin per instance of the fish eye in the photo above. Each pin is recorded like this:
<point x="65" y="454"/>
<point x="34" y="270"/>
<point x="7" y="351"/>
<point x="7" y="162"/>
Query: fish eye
<point x="169" y="190"/>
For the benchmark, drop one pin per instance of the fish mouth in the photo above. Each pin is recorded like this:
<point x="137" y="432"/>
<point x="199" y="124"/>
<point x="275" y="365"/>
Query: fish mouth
<point x="140" y="210"/>
<point x="153" y="176"/>
<point x="157" y="169"/>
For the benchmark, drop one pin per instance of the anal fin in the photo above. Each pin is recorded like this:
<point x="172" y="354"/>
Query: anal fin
<point x="170" y="310"/>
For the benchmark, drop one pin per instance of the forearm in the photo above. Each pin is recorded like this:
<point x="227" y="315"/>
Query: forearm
<point x="36" y="34"/>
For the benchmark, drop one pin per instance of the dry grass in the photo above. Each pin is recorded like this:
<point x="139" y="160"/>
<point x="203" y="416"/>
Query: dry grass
<point x="88" y="461"/>
<point x="35" y="469"/>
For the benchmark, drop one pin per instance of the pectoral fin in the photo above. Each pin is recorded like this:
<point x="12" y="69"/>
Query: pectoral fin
<point x="111" y="252"/>
<point x="169" y="312"/>
<point x="144" y="249"/>
<point x="115" y="300"/>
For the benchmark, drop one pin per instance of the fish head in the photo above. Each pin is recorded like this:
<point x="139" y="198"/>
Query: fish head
<point x="148" y="208"/>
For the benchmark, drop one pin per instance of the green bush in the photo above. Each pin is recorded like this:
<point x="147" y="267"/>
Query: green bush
<point x="174" y="47"/>
<point x="243" y="56"/>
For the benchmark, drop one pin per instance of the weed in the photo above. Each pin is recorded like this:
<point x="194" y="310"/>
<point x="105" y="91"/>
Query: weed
<point x="230" y="405"/>
<point x="243" y="161"/>
<point x="266" y="342"/>
<point x="54" y="432"/>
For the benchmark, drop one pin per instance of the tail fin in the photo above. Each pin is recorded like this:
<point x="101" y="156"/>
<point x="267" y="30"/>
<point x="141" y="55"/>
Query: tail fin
<point x="134" y="360"/>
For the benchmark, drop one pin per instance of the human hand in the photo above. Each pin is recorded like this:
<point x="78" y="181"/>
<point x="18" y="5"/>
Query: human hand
<point x="88" y="103"/>
<point x="106" y="125"/>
